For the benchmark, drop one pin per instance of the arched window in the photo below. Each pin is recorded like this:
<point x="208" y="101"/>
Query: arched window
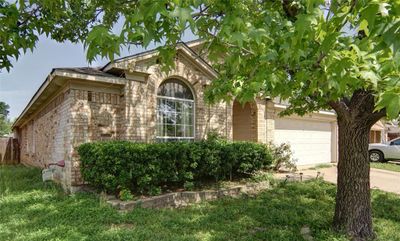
<point x="175" y="111"/>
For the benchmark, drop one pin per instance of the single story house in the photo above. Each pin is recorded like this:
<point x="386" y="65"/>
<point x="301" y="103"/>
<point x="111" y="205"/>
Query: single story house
<point x="392" y="130"/>
<point x="132" y="99"/>
<point x="379" y="132"/>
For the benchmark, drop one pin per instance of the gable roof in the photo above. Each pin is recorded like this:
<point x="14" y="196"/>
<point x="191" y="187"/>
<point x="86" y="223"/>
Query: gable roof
<point x="181" y="46"/>
<point x="151" y="52"/>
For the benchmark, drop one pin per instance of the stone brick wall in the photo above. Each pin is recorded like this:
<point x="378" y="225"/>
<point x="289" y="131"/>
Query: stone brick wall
<point x="270" y="116"/>
<point x="262" y="120"/>
<point x="130" y="113"/>
<point x="96" y="115"/>
<point x="44" y="139"/>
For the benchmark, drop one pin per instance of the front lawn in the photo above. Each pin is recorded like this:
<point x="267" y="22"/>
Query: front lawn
<point x="31" y="210"/>
<point x="386" y="166"/>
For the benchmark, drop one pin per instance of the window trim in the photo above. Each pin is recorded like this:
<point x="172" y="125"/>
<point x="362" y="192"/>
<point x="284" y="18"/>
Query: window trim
<point x="177" y="99"/>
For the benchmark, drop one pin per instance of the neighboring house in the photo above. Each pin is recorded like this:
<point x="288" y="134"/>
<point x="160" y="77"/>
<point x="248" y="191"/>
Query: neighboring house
<point x="378" y="132"/>
<point x="392" y="130"/>
<point x="384" y="131"/>
<point x="132" y="99"/>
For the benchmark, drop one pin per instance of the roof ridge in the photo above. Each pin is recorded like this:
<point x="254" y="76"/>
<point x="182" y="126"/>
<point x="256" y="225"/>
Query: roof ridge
<point x="148" y="51"/>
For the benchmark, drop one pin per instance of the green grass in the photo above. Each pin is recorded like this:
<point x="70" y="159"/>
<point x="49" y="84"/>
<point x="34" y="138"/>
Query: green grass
<point x="31" y="210"/>
<point x="386" y="166"/>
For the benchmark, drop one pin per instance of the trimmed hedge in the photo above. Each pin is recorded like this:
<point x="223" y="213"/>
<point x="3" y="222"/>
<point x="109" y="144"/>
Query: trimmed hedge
<point x="147" y="168"/>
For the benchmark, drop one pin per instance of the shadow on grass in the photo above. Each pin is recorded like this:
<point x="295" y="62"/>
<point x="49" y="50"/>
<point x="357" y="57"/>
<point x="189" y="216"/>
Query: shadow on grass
<point x="31" y="210"/>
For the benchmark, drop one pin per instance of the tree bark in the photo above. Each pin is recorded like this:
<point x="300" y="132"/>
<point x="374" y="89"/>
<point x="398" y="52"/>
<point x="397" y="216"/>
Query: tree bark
<point x="353" y="199"/>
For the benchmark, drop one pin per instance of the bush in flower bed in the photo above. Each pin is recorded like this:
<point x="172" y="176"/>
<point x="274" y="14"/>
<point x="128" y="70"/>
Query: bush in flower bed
<point x="148" y="167"/>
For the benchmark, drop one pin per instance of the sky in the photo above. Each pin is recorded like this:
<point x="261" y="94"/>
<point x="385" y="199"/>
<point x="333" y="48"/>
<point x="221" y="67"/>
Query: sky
<point x="19" y="85"/>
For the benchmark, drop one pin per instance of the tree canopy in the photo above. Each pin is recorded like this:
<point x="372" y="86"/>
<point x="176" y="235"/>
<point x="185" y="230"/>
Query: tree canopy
<point x="5" y="124"/>
<point x="310" y="52"/>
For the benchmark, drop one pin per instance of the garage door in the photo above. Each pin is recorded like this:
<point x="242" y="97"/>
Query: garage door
<point x="310" y="141"/>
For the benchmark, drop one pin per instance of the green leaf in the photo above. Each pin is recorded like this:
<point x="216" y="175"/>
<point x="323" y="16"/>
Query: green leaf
<point x="238" y="38"/>
<point x="183" y="14"/>
<point x="391" y="101"/>
<point x="364" y="27"/>
<point x="370" y="76"/>
<point x="311" y="4"/>
<point x="329" y="42"/>
<point x="393" y="108"/>
<point x="370" y="12"/>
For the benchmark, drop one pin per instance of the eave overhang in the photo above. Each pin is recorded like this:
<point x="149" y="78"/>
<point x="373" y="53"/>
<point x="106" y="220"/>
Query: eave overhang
<point x="56" y="80"/>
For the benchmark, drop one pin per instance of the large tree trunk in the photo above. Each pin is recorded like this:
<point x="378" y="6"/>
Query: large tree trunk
<point x="353" y="199"/>
<point x="353" y="205"/>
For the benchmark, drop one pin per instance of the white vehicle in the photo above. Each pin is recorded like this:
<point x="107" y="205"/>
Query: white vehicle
<point x="382" y="152"/>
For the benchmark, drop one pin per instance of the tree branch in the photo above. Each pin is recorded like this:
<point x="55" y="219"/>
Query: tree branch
<point x="376" y="116"/>
<point x="342" y="110"/>
<point x="201" y="13"/>
<point x="361" y="98"/>
<point x="323" y="55"/>
<point x="213" y="36"/>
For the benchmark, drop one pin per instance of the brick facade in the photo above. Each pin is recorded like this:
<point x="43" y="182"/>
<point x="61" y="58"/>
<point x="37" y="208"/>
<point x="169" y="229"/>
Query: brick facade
<point x="45" y="138"/>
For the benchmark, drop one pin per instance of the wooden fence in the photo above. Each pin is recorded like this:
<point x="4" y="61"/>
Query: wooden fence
<point x="9" y="150"/>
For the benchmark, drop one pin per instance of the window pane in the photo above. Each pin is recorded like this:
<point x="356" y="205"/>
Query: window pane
<point x="161" y="105"/>
<point x="189" y="131"/>
<point x="189" y="106"/>
<point x="169" y="105"/>
<point x="170" y="130"/>
<point x="160" y="130"/>
<point x="169" y="118"/>
<point x="179" y="119"/>
<point x="179" y="106"/>
<point x="175" y="88"/>
<point x="160" y="117"/>
<point x="188" y="118"/>
<point x="180" y="131"/>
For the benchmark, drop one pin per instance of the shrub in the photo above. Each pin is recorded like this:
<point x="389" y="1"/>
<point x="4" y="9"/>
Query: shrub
<point x="282" y="157"/>
<point x="147" y="168"/>
<point x="125" y="195"/>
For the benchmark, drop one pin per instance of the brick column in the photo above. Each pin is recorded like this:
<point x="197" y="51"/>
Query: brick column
<point x="270" y="121"/>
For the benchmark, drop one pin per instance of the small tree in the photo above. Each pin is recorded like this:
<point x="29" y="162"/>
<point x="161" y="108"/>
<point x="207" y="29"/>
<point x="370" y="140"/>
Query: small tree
<point x="5" y="123"/>
<point x="341" y="55"/>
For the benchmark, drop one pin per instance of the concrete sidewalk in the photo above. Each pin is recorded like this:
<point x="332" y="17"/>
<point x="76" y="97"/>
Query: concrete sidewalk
<point x="380" y="179"/>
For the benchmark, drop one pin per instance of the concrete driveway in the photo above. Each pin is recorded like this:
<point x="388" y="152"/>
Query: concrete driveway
<point x="381" y="179"/>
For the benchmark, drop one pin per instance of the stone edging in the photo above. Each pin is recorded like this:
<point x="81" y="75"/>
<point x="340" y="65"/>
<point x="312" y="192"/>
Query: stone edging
<point x="182" y="199"/>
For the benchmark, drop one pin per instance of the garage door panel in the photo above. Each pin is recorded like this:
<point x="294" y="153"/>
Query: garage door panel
<point x="310" y="140"/>
<point x="299" y="124"/>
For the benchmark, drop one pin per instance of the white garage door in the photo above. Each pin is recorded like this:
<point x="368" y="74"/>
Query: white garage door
<point x="310" y="141"/>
